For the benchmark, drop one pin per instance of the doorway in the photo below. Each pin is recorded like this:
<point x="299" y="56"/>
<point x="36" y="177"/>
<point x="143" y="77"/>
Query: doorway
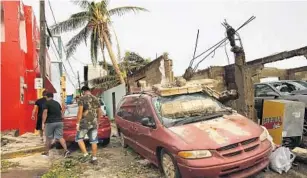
<point x="114" y="103"/>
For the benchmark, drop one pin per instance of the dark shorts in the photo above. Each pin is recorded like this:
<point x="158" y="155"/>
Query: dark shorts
<point x="91" y="133"/>
<point x="54" y="130"/>
<point x="39" y="123"/>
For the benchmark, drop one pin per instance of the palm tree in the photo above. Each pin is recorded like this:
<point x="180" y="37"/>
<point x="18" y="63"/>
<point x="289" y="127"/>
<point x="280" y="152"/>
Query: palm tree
<point x="95" y="20"/>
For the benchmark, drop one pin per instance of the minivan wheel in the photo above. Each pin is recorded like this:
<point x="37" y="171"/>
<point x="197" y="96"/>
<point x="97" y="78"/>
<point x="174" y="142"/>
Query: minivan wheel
<point x="169" y="165"/>
<point x="105" y="142"/>
<point x="122" y="140"/>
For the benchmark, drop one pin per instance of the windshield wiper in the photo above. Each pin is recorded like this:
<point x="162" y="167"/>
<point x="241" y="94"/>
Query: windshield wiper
<point x="197" y="119"/>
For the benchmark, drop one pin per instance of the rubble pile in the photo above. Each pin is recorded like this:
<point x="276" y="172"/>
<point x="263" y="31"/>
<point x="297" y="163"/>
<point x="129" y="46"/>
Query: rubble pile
<point x="208" y="86"/>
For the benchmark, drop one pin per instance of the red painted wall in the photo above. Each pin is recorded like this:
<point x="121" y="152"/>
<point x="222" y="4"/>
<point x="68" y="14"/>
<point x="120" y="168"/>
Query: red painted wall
<point x="31" y="64"/>
<point x="11" y="69"/>
<point x="15" y="63"/>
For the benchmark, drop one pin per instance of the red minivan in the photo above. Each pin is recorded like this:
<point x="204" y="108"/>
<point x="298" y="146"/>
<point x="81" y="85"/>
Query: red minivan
<point x="70" y="119"/>
<point x="216" y="144"/>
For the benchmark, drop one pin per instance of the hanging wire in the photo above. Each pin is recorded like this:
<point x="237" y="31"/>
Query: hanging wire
<point x="196" y="43"/>
<point x="49" y="3"/>
<point x="217" y="45"/>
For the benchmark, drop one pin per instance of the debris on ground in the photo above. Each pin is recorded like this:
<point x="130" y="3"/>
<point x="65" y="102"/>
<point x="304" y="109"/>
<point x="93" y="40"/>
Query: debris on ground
<point x="301" y="154"/>
<point x="5" y="165"/>
<point x="281" y="160"/>
<point x="11" y="143"/>
<point x="113" y="162"/>
<point x="71" y="168"/>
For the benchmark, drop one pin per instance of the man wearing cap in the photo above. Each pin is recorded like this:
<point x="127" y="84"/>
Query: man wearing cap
<point x="88" y="113"/>
<point x="39" y="105"/>
<point x="53" y="124"/>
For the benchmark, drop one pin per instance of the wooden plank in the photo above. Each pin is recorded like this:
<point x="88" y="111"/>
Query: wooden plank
<point x="301" y="154"/>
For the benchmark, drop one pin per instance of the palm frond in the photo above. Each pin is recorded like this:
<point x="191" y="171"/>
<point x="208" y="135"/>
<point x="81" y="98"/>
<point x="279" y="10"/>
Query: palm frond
<point x="102" y="8"/>
<point x="80" y="14"/>
<point x="69" y="25"/>
<point x="76" y="41"/>
<point x="94" y="46"/>
<point x="81" y="3"/>
<point x="125" y="9"/>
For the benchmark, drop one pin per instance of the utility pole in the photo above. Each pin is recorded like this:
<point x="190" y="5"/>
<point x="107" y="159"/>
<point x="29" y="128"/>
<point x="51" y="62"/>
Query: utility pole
<point x="245" y="103"/>
<point x="79" y="82"/>
<point x="42" y="46"/>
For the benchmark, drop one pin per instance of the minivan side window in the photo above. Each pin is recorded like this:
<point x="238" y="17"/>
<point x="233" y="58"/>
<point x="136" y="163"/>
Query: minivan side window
<point x="143" y="110"/>
<point x="127" y="109"/>
<point x="262" y="90"/>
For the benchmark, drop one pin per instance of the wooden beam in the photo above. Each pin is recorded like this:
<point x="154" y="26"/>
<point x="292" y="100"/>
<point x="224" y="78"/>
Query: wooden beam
<point x="279" y="56"/>
<point x="299" y="69"/>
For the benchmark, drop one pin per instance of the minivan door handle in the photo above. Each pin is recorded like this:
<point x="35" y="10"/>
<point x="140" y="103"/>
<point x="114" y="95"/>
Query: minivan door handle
<point x="133" y="128"/>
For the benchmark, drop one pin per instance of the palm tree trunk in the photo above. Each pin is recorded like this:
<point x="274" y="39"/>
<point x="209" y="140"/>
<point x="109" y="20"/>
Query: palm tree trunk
<point x="112" y="56"/>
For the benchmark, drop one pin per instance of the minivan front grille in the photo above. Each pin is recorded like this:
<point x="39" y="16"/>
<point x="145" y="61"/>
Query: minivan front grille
<point x="246" y="142"/>
<point x="228" y="147"/>
<point x="235" y="147"/>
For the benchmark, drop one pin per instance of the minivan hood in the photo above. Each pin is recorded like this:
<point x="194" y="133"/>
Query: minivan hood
<point x="218" y="132"/>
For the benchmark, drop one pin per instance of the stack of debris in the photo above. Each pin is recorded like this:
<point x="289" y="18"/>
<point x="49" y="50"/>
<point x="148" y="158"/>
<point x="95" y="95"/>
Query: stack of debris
<point x="181" y="86"/>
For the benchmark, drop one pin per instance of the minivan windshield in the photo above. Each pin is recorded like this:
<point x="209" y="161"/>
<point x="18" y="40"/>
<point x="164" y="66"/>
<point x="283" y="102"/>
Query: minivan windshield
<point x="188" y="108"/>
<point x="303" y="83"/>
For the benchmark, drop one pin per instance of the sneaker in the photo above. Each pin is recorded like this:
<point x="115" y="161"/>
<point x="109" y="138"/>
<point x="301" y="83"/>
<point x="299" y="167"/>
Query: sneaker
<point x="66" y="154"/>
<point x="85" y="158"/>
<point x="94" y="162"/>
<point x="45" y="154"/>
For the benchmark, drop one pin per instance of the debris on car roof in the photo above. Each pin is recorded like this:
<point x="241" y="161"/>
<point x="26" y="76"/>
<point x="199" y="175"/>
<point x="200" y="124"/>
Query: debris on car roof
<point x="181" y="86"/>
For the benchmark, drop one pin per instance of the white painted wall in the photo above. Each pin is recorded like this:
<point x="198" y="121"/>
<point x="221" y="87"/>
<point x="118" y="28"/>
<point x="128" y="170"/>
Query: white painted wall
<point x="95" y="72"/>
<point x="119" y="91"/>
<point x="22" y="29"/>
<point x="55" y="80"/>
<point x="269" y="79"/>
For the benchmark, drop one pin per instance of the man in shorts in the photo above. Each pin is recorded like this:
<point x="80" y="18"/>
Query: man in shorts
<point x="88" y="113"/>
<point x="39" y="107"/>
<point x="53" y="124"/>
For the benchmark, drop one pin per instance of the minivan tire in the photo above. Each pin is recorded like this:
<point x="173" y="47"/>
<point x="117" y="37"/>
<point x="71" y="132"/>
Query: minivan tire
<point x="122" y="140"/>
<point x="105" y="142"/>
<point x="168" y="162"/>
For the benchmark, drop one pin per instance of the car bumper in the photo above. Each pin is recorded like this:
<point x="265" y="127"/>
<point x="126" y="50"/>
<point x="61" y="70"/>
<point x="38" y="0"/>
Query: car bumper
<point x="242" y="168"/>
<point x="103" y="133"/>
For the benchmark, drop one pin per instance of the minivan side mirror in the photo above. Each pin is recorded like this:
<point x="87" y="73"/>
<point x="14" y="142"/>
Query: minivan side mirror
<point x="148" y="122"/>
<point x="275" y="95"/>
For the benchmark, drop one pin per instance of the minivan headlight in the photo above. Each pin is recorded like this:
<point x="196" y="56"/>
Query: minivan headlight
<point x="263" y="136"/>
<point x="196" y="154"/>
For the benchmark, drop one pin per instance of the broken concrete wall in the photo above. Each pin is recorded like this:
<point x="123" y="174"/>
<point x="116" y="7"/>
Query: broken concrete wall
<point x="225" y="74"/>
<point x="214" y="72"/>
<point x="269" y="72"/>
<point x="299" y="73"/>
<point x="153" y="73"/>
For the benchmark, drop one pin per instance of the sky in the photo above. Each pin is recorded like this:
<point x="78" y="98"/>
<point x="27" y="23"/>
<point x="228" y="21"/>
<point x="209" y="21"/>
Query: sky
<point x="171" y="26"/>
